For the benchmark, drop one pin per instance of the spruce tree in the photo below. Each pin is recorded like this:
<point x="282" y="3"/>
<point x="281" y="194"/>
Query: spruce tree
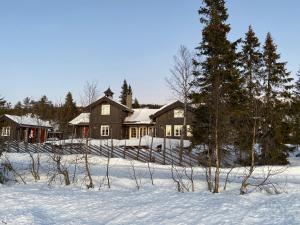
<point x="295" y="111"/>
<point x="218" y="79"/>
<point x="68" y="112"/>
<point x="124" y="92"/>
<point x="276" y="90"/>
<point x="251" y="69"/>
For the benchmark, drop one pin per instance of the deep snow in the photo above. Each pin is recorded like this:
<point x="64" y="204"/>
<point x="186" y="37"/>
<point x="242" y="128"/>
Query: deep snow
<point x="38" y="203"/>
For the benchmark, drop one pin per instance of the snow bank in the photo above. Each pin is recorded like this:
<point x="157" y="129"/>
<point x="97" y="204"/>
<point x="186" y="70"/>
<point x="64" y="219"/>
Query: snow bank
<point x="37" y="203"/>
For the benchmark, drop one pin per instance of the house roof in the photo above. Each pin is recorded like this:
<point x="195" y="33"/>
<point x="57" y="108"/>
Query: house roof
<point x="170" y="106"/>
<point x="140" y="116"/>
<point x="107" y="99"/>
<point x="29" y="120"/>
<point x="82" y="119"/>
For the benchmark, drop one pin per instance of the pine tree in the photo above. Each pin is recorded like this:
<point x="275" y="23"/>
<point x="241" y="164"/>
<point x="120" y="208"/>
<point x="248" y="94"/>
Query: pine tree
<point x="295" y="111"/>
<point x="218" y="79"/>
<point x="276" y="90"/>
<point x="124" y="92"/>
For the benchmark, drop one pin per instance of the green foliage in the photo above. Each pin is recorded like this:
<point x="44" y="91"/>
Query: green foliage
<point x="276" y="90"/>
<point x="68" y="112"/>
<point x="217" y="82"/>
<point x="124" y="92"/>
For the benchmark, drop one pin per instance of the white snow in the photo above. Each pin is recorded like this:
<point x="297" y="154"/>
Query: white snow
<point x="29" y="120"/>
<point x="38" y="203"/>
<point x="140" y="116"/>
<point x="145" y="141"/>
<point x="83" y="118"/>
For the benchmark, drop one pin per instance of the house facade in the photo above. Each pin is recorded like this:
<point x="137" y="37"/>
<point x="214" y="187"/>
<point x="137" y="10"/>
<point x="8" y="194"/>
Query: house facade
<point x="28" y="128"/>
<point x="107" y="118"/>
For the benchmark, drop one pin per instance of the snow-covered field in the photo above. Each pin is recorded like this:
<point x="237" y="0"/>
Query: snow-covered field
<point x="123" y="203"/>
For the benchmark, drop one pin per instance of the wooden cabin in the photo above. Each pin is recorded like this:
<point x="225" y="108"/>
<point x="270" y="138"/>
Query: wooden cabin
<point x="28" y="128"/>
<point x="107" y="118"/>
<point x="168" y="120"/>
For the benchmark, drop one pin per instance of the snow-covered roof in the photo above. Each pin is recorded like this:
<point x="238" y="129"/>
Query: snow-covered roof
<point x="140" y="116"/>
<point x="167" y="105"/>
<point x="29" y="120"/>
<point x="83" y="118"/>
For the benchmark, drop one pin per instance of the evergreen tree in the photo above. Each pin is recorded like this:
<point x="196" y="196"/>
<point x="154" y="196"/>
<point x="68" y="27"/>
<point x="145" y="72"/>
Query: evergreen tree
<point x="218" y="79"/>
<point x="276" y="90"/>
<point x="18" y="109"/>
<point x="124" y="92"/>
<point x="44" y="109"/>
<point x="68" y="112"/>
<point x="295" y="111"/>
<point x="251" y="69"/>
<point x="129" y="92"/>
<point x="136" y="104"/>
<point x="2" y="105"/>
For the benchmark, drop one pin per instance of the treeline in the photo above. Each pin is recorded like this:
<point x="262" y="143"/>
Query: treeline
<point x="59" y="114"/>
<point x="246" y="100"/>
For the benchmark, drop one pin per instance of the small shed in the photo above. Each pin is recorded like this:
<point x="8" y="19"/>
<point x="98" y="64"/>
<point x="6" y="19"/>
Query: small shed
<point x="29" y="128"/>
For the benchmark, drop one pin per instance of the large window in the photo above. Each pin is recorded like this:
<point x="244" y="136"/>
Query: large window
<point x="189" y="131"/>
<point x="178" y="113"/>
<point x="133" y="132"/>
<point x="104" y="130"/>
<point x="5" y="131"/>
<point x="168" y="130"/>
<point x="105" y="110"/>
<point x="177" y="130"/>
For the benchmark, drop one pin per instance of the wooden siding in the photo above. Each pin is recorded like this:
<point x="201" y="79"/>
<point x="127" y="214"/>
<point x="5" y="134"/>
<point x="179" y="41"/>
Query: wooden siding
<point x="114" y="120"/>
<point x="167" y="118"/>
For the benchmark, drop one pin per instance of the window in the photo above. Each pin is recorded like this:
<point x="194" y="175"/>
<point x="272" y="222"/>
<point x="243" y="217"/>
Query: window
<point x="189" y="131"/>
<point x="105" y="110"/>
<point x="133" y="132"/>
<point x="105" y="130"/>
<point x="5" y="131"/>
<point x="177" y="130"/>
<point x="168" y="130"/>
<point x="178" y="113"/>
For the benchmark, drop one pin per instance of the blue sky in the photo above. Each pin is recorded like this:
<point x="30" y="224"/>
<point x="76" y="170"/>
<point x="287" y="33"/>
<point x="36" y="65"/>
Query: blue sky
<point x="53" y="46"/>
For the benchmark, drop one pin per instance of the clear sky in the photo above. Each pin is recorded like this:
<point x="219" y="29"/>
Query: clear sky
<point x="54" y="46"/>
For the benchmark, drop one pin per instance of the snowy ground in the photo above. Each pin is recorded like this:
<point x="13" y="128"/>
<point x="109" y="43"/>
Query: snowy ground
<point x="38" y="203"/>
<point x="145" y="141"/>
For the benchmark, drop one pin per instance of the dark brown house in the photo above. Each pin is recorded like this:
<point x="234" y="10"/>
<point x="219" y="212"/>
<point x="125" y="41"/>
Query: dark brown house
<point x="168" y="120"/>
<point x="108" y="118"/>
<point x="28" y="128"/>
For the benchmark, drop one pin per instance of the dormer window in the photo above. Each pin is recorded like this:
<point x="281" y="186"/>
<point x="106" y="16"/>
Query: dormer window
<point x="105" y="110"/>
<point x="178" y="113"/>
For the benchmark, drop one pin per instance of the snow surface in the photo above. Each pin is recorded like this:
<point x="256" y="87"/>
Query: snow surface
<point x="38" y="203"/>
<point x="140" y="116"/>
<point x="145" y="141"/>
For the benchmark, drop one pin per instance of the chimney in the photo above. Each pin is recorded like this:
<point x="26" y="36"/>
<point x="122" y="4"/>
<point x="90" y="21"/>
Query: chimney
<point x="108" y="93"/>
<point x="129" y="99"/>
